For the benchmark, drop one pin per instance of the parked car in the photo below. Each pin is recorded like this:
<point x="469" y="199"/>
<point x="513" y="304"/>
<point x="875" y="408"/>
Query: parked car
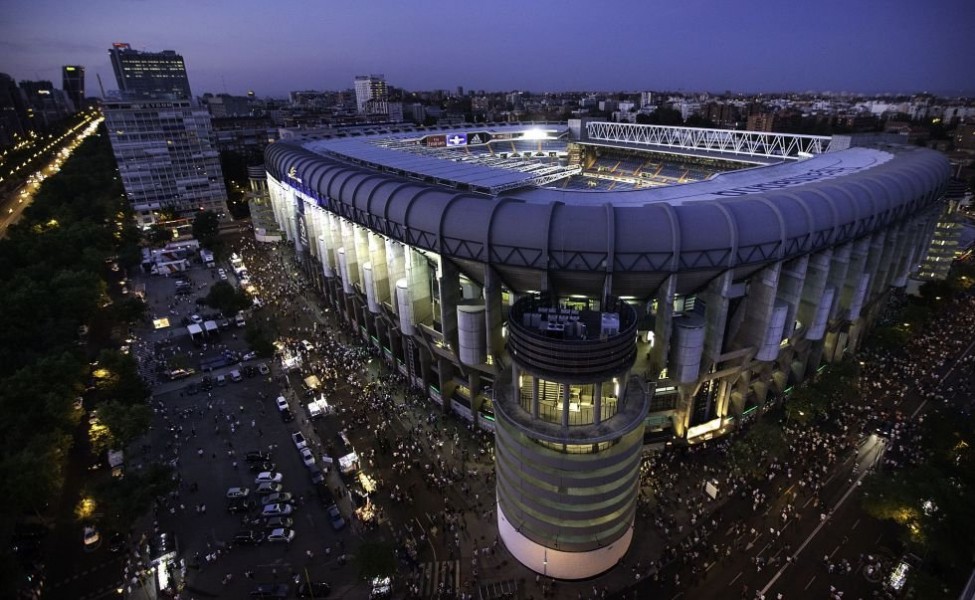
<point x="299" y="440"/>
<point x="238" y="492"/>
<point x="313" y="589"/>
<point x="240" y="505"/>
<point x="235" y="376"/>
<point x="316" y="474"/>
<point x="281" y="535"/>
<point x="278" y="498"/>
<point x="282" y="403"/>
<point x="335" y="518"/>
<point x="268" y="476"/>
<point x="250" y="537"/>
<point x="308" y="346"/>
<point x="221" y="380"/>
<point x="271" y="591"/>
<point x="249" y="356"/>
<point x="269" y="487"/>
<point x="278" y="510"/>
<point x="91" y="538"/>
<point x="307" y="457"/>
<point x="278" y="522"/>
<point x="257" y="456"/>
<point x="257" y="467"/>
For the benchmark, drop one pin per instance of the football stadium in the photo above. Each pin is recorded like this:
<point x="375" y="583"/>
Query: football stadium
<point x="583" y="289"/>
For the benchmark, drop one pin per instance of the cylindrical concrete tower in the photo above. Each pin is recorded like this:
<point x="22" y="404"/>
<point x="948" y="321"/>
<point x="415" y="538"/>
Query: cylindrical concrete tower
<point x="569" y="435"/>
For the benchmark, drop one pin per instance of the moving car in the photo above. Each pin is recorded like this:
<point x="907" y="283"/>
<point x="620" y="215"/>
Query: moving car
<point x="281" y="535"/>
<point x="268" y="476"/>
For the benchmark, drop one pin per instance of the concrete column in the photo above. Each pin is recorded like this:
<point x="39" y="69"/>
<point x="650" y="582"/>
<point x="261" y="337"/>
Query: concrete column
<point x="838" y="268"/>
<point x="396" y="260"/>
<point x="361" y="238"/>
<point x="494" y="313"/>
<point x="351" y="258"/>
<point x="597" y="402"/>
<point x="449" y="282"/>
<point x="811" y="297"/>
<point x="380" y="268"/>
<point x="760" y="303"/>
<point x="418" y="282"/>
<point x="566" y="396"/>
<point x="663" y="324"/>
<point x="857" y="280"/>
<point x="790" y="290"/>
<point x="716" y="299"/>
<point x="535" y="398"/>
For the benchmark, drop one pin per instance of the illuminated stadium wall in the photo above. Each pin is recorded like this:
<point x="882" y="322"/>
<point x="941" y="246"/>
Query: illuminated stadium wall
<point x="580" y="325"/>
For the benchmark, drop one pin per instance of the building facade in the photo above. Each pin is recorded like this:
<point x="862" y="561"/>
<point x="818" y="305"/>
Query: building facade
<point x="163" y="141"/>
<point x="371" y="94"/>
<point x="167" y="157"/>
<point x="145" y="75"/>
<point x="73" y="84"/>
<point x="578" y="325"/>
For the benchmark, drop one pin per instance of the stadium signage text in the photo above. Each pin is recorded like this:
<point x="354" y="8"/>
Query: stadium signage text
<point x="777" y="184"/>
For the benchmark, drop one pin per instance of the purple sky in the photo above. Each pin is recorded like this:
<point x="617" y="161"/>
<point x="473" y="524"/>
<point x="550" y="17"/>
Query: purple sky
<point x="274" y="46"/>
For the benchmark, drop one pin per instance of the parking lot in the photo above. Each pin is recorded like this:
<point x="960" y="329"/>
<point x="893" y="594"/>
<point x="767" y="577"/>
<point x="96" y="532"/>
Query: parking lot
<point x="206" y="425"/>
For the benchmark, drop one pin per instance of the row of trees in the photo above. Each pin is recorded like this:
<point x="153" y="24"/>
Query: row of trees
<point x="59" y="324"/>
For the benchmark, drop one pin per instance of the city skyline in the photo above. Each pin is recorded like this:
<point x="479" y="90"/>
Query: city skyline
<point x="866" y="48"/>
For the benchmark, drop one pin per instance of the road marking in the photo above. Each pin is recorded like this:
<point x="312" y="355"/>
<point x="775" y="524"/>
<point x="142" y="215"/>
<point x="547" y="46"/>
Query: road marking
<point x="855" y="525"/>
<point x="816" y="531"/>
<point x="809" y="584"/>
<point x="834" y="551"/>
<point x="736" y="578"/>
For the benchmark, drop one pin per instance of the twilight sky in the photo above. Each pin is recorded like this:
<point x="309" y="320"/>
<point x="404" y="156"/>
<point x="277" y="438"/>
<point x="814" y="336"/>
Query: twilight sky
<point x="274" y="46"/>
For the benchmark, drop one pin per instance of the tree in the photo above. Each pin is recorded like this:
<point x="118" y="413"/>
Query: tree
<point x="226" y="298"/>
<point x="258" y="340"/>
<point x="376" y="559"/>
<point x="130" y="309"/>
<point x="206" y="227"/>
<point x="130" y="497"/>
<point x="125" y="422"/>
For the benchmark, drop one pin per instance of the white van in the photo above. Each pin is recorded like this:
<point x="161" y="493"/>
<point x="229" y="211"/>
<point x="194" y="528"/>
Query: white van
<point x="239" y="319"/>
<point x="235" y="376"/>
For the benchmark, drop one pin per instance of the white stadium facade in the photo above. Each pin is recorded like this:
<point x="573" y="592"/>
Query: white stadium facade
<point x="585" y="288"/>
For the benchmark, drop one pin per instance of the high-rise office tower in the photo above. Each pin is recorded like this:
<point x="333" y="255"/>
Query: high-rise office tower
<point x="13" y="112"/>
<point x="163" y="142"/>
<point x="73" y="84"/>
<point x="142" y="75"/>
<point x="371" y="94"/>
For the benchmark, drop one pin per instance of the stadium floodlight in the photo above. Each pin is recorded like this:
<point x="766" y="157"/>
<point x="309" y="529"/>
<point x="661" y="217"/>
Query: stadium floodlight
<point x="534" y="134"/>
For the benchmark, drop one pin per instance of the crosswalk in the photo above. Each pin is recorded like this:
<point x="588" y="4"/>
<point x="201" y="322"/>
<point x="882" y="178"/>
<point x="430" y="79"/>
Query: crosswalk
<point x="439" y="579"/>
